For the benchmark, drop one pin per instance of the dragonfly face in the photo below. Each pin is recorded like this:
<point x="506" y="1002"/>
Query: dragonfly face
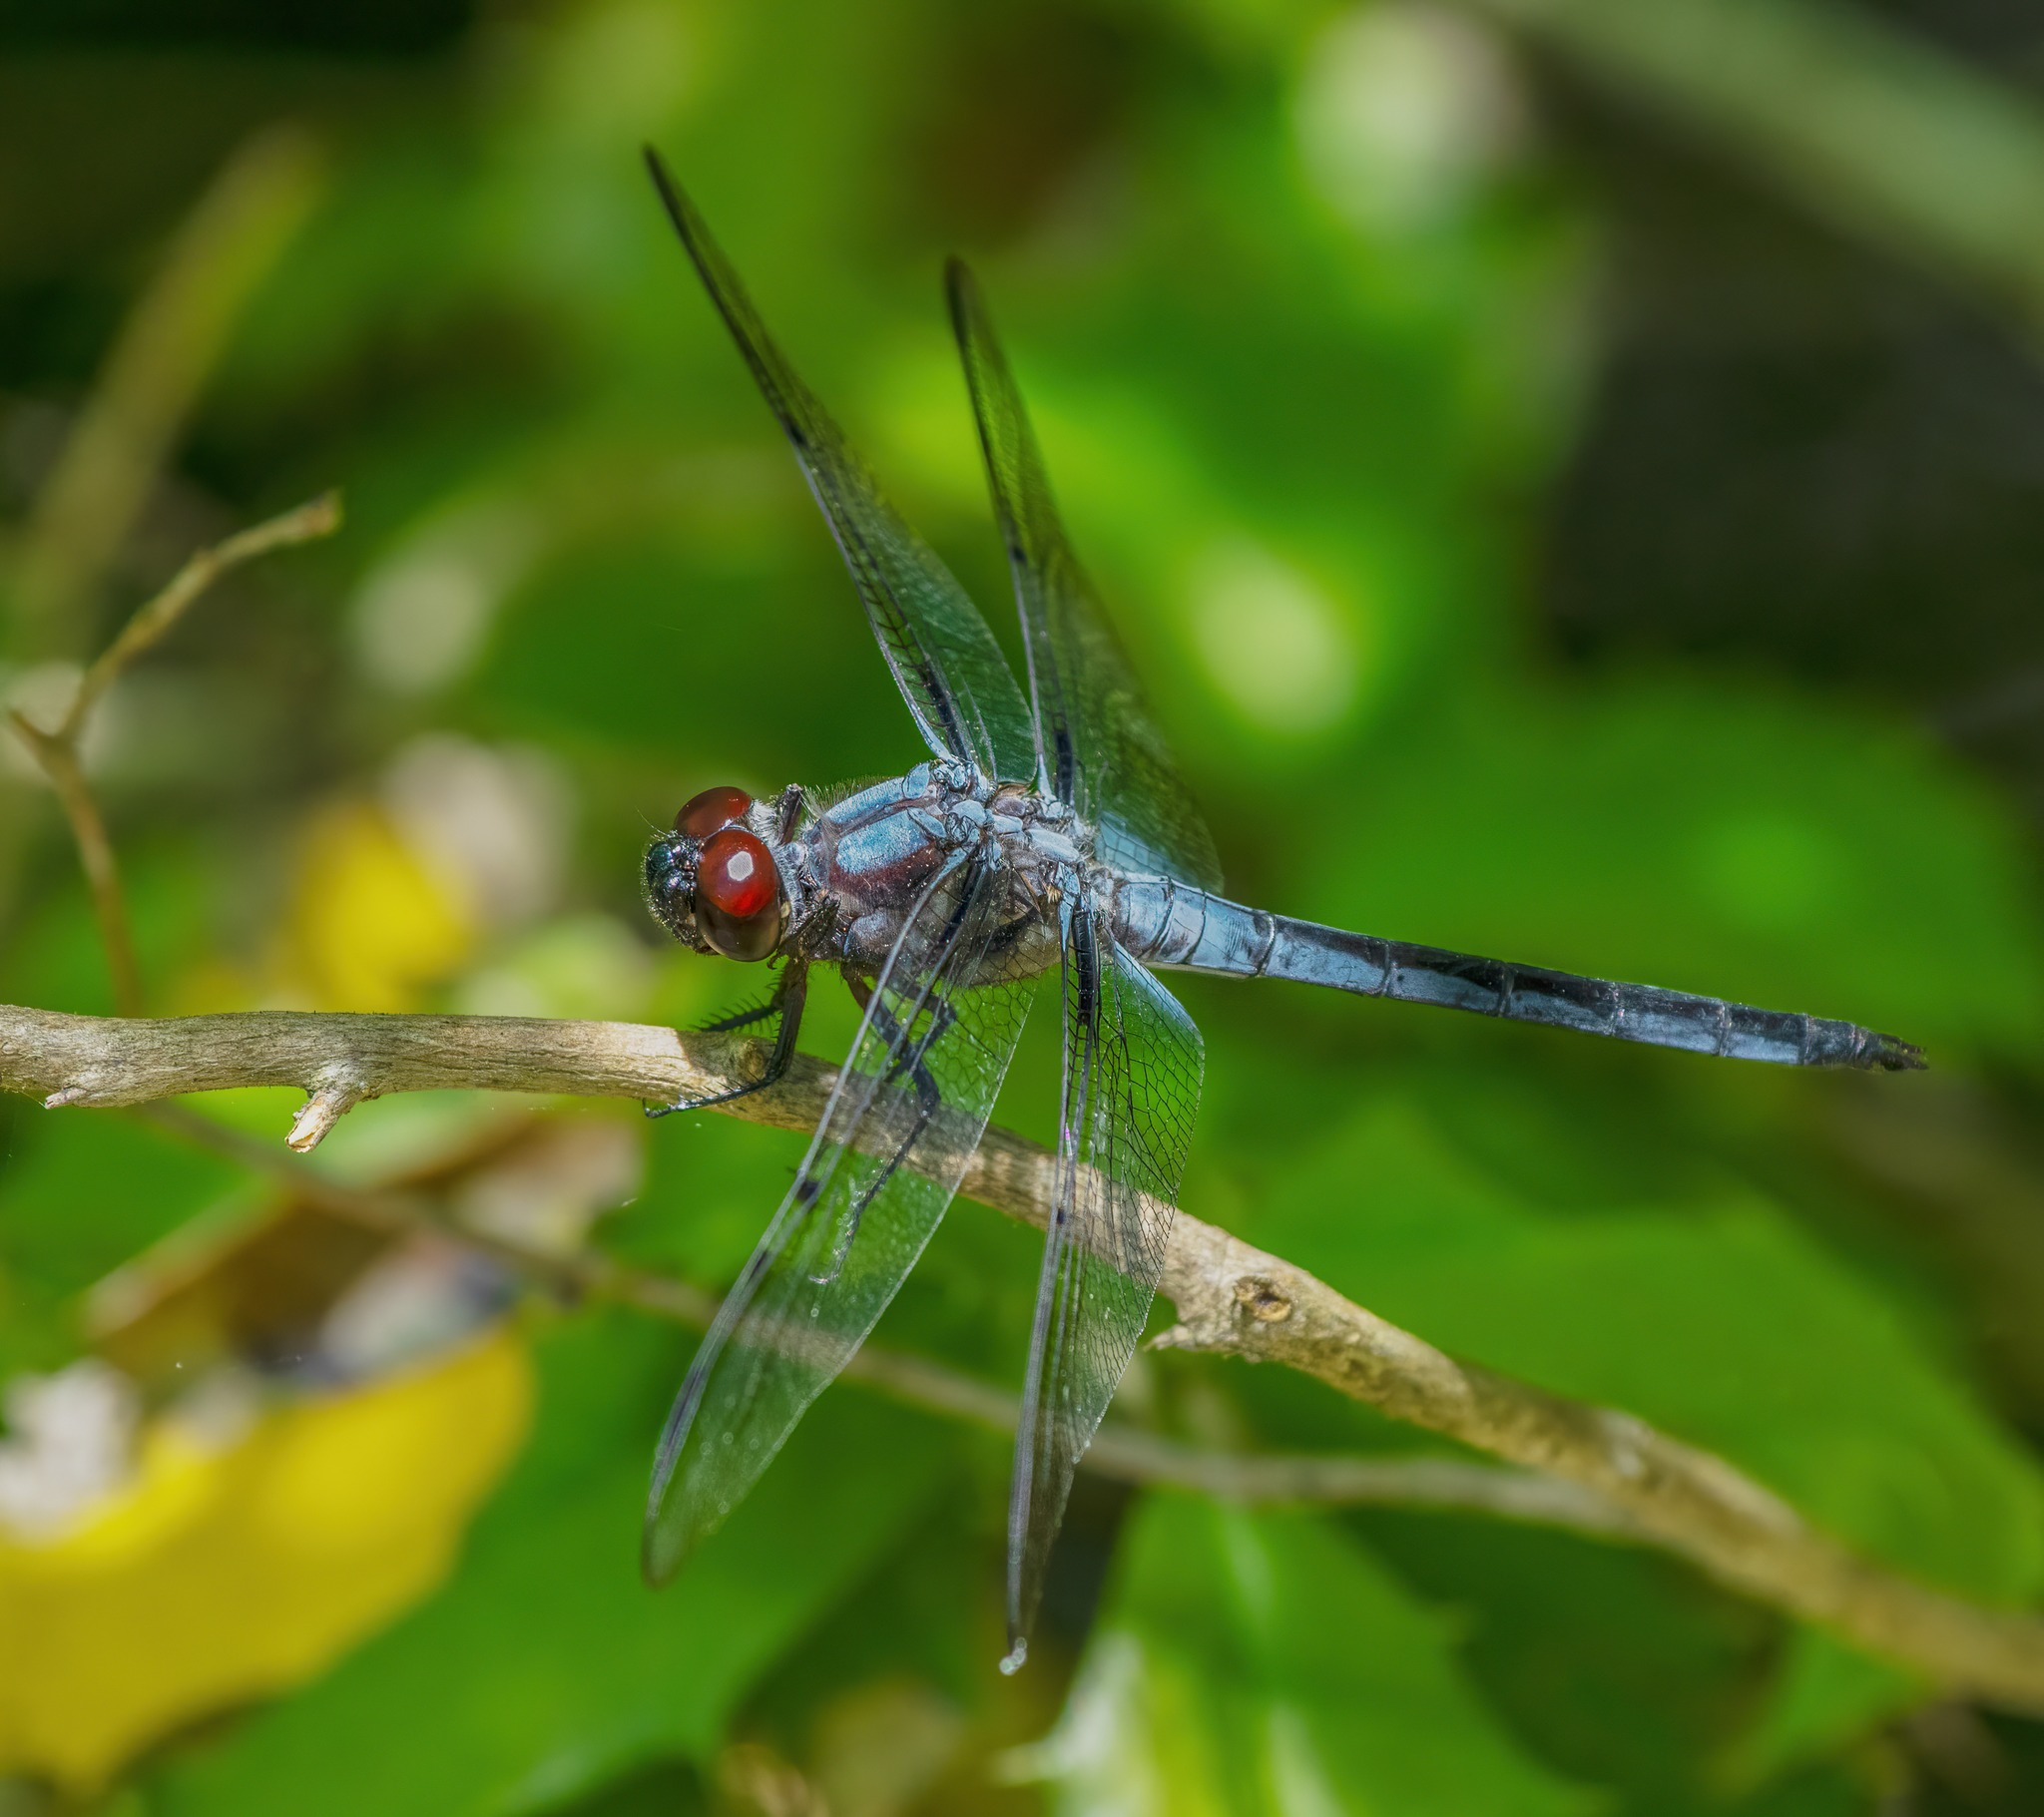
<point x="713" y="882"/>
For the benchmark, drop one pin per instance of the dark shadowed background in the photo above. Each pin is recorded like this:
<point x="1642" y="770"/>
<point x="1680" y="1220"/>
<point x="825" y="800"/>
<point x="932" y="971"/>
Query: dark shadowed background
<point x="1574" y="484"/>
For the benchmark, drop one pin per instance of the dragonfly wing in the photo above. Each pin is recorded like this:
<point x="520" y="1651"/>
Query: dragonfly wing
<point x="1132" y="1064"/>
<point x="901" y="1121"/>
<point x="1097" y="745"/>
<point x="945" y="661"/>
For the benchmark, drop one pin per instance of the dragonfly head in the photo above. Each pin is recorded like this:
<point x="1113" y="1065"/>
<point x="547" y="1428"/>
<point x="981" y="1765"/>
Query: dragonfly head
<point x="713" y="882"/>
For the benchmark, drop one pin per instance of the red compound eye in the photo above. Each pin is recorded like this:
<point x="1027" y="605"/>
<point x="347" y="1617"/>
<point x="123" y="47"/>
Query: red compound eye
<point x="713" y="809"/>
<point x="737" y="895"/>
<point x="736" y="874"/>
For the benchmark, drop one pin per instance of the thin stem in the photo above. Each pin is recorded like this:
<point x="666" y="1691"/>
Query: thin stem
<point x="1119" y="1452"/>
<point x="57" y="753"/>
<point x="58" y="758"/>
<point x="305" y="522"/>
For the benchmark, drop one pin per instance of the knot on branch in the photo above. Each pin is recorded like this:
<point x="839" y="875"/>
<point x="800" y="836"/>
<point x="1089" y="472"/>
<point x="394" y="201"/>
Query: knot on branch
<point x="1262" y="1298"/>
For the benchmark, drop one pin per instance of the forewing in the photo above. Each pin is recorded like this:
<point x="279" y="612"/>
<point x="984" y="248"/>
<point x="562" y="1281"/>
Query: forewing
<point x="873" y="1187"/>
<point x="1132" y="1064"/>
<point x="945" y="661"/>
<point x="1097" y="745"/>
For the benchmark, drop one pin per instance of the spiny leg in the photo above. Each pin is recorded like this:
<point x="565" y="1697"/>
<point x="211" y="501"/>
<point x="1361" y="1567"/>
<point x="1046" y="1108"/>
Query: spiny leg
<point x="785" y="1003"/>
<point x="1010" y="937"/>
<point x="745" y="1018"/>
<point x="910" y="1060"/>
<point x="788" y="812"/>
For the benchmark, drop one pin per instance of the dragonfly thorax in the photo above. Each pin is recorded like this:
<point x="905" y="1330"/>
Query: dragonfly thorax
<point x="880" y="855"/>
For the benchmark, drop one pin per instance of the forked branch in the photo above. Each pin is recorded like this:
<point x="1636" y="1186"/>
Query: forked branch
<point x="57" y="751"/>
<point x="1231" y="1298"/>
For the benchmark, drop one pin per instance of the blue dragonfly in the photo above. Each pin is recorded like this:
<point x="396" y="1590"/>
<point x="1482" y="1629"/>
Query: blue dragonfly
<point x="1046" y="833"/>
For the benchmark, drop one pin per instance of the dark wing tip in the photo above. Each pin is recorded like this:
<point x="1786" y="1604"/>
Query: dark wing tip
<point x="669" y="1537"/>
<point x="671" y="196"/>
<point x="656" y="168"/>
<point x="961" y="298"/>
<point x="664" y="1543"/>
<point x="661" y="1549"/>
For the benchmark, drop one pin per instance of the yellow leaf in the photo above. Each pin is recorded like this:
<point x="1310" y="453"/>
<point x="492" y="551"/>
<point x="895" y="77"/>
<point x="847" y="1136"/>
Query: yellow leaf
<point x="221" y="1574"/>
<point x="369" y="923"/>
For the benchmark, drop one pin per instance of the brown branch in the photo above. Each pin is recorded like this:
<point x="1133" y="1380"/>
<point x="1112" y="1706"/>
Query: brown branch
<point x="1128" y="1455"/>
<point x="57" y="758"/>
<point x="307" y="523"/>
<point x="57" y="751"/>
<point x="1231" y="1298"/>
<point x="1119" y="1452"/>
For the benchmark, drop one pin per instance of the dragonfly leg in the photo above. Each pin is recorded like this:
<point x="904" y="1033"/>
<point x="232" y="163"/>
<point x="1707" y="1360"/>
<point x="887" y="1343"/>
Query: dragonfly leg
<point x="746" y="1019"/>
<point x="788" y="812"/>
<point x="911" y="1060"/>
<point x="785" y="1005"/>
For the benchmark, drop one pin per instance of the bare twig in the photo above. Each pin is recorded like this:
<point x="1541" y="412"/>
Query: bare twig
<point x="58" y="751"/>
<point x="1231" y="1298"/>
<point x="57" y="758"/>
<point x="1119" y="1452"/>
<point x="304" y="524"/>
<point x="1123" y="1452"/>
<point x="1129" y="1455"/>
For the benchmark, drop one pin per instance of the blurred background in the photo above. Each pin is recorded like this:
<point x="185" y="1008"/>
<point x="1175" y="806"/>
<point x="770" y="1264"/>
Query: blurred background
<point x="1570" y="474"/>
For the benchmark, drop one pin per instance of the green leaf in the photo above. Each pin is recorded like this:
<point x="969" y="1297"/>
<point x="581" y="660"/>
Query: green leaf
<point x="1823" y="1693"/>
<point x="1631" y="1671"/>
<point x="1720" y="1323"/>
<point x="1254" y="1663"/>
<point x="1706" y="838"/>
<point x="1627" y="1669"/>
<point x="81" y="1192"/>
<point x="546" y="1667"/>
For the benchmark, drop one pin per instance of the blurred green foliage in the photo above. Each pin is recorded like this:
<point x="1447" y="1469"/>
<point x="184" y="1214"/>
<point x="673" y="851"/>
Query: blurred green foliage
<point x="593" y="1674"/>
<point x="1307" y="309"/>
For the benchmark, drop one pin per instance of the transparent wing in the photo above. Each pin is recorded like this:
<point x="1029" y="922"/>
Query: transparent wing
<point x="1132" y="1064"/>
<point x="901" y="1122"/>
<point x="945" y="661"/>
<point x="1097" y="745"/>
